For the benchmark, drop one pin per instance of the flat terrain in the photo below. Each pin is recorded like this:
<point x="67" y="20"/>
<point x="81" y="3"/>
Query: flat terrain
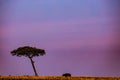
<point x="56" y="78"/>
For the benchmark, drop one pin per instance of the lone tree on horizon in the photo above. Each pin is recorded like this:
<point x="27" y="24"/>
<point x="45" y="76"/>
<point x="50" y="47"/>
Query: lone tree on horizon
<point x="29" y="52"/>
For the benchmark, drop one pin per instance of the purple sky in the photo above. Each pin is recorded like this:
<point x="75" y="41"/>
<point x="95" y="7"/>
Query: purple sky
<point x="79" y="36"/>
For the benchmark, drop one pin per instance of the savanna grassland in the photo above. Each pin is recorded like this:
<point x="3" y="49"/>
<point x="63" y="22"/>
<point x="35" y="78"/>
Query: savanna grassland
<point x="56" y="78"/>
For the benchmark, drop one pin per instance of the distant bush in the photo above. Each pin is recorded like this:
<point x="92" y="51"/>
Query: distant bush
<point x="66" y="74"/>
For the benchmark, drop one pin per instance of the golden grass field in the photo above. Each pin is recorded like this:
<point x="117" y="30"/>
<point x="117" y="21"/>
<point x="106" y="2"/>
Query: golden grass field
<point x="56" y="78"/>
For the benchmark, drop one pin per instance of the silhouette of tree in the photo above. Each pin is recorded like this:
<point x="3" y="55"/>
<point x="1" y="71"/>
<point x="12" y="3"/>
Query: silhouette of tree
<point x="29" y="52"/>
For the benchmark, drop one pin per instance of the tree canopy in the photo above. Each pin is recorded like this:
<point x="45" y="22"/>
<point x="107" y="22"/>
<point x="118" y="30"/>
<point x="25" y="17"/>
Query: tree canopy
<point x="28" y="51"/>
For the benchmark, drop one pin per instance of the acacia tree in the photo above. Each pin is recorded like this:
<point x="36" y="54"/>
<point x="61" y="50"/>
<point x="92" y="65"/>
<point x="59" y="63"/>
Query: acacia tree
<point x="29" y="52"/>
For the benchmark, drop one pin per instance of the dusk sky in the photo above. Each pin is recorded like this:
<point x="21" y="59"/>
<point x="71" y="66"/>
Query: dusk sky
<point x="79" y="36"/>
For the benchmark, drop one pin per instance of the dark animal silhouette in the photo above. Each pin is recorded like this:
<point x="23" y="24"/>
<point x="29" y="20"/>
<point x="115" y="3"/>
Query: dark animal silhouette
<point x="67" y="75"/>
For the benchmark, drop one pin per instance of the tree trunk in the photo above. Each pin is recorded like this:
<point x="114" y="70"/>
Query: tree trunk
<point x="32" y="62"/>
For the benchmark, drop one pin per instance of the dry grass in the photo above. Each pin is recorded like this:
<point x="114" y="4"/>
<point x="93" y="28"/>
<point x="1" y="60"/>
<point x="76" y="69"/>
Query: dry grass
<point x="56" y="78"/>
